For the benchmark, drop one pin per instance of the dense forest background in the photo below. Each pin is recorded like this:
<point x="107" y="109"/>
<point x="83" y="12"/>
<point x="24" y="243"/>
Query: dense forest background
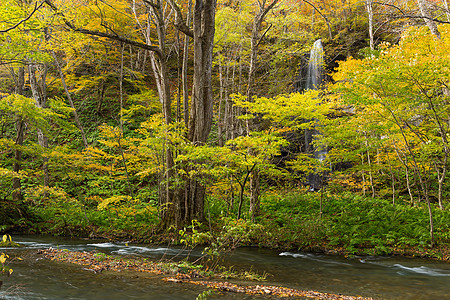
<point x="132" y="118"/>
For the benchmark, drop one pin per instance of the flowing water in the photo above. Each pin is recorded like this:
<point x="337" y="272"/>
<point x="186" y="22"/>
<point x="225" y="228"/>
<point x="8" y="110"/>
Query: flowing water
<point x="379" y="277"/>
<point x="313" y="82"/>
<point x="315" y="66"/>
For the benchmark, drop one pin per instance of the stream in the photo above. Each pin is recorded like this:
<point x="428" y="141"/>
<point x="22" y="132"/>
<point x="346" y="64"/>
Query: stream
<point x="378" y="277"/>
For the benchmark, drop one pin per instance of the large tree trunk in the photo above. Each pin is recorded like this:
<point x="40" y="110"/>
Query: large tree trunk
<point x="202" y="98"/>
<point x="201" y="112"/>
<point x="170" y="200"/>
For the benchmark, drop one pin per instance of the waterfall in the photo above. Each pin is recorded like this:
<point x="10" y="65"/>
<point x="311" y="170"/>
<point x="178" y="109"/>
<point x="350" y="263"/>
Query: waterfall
<point x="315" y="66"/>
<point x="313" y="82"/>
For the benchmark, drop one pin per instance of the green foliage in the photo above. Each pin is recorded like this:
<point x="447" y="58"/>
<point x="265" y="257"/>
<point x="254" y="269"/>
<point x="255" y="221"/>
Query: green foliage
<point x="101" y="256"/>
<point x="233" y="234"/>
<point x="141" y="107"/>
<point x="357" y="224"/>
<point x="394" y="113"/>
<point x="17" y="105"/>
<point x="205" y="295"/>
<point x="292" y="111"/>
<point x="58" y="213"/>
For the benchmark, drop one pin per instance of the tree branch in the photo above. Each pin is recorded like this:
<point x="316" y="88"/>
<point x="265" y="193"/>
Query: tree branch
<point x="323" y="16"/>
<point x="403" y="15"/>
<point x="262" y="36"/>
<point x="391" y="5"/>
<point x="114" y="37"/>
<point x="36" y="8"/>
<point x="180" y="24"/>
<point x="421" y="17"/>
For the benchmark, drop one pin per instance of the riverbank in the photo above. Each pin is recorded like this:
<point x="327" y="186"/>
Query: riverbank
<point x="99" y="262"/>
<point x="345" y="224"/>
<point x="349" y="224"/>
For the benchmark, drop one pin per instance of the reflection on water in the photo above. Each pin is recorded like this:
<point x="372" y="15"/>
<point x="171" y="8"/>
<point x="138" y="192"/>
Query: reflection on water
<point x="381" y="277"/>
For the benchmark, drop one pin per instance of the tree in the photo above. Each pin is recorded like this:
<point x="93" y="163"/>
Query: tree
<point x="27" y="42"/>
<point x="200" y="120"/>
<point x="407" y="82"/>
<point x="201" y="111"/>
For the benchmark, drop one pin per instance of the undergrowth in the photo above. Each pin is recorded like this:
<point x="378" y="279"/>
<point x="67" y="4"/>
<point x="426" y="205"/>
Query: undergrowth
<point x="347" y="223"/>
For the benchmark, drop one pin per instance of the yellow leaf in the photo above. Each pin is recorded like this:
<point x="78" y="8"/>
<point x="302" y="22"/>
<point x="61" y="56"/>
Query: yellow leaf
<point x="10" y="271"/>
<point x="4" y="238"/>
<point x="2" y="258"/>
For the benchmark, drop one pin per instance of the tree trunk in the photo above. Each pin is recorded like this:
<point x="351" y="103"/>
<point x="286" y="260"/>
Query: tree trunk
<point x="19" y="84"/>
<point x="370" y="166"/>
<point x="39" y="91"/>
<point x="17" y="194"/>
<point x="254" y="194"/>
<point x="370" y="14"/>
<point x="256" y="38"/>
<point x="392" y="177"/>
<point x="171" y="213"/>
<point x="69" y="97"/>
<point x="405" y="164"/>
<point x="201" y="111"/>
<point x="202" y="99"/>
<point x="363" y="177"/>
<point x="424" y="10"/>
<point x="220" y="117"/>
<point x="185" y="70"/>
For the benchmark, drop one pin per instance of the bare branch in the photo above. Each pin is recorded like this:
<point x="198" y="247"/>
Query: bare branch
<point x="180" y="24"/>
<point x="114" y="37"/>
<point x="152" y="4"/>
<point x="36" y="8"/>
<point x="262" y="36"/>
<point x="420" y="17"/>
<point x="404" y="15"/>
<point x="391" y="5"/>
<point x="323" y="16"/>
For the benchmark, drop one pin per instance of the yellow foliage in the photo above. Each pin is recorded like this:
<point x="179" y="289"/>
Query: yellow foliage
<point x="114" y="201"/>
<point x="3" y="258"/>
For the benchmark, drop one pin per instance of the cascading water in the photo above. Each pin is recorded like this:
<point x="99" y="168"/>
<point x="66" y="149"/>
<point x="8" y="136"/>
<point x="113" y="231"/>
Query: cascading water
<point x="315" y="66"/>
<point x="313" y="82"/>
